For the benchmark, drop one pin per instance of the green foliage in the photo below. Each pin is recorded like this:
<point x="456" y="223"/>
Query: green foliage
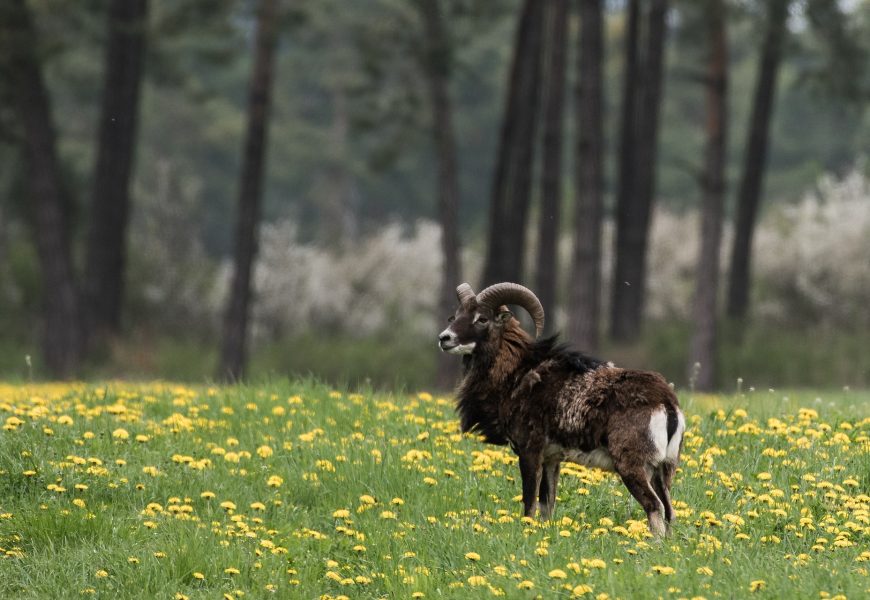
<point x="120" y="490"/>
<point x="377" y="361"/>
<point x="762" y="357"/>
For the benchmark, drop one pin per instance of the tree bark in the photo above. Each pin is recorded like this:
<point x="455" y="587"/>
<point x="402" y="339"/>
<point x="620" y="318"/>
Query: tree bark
<point x="438" y="62"/>
<point x="755" y="159"/>
<point x="555" y="60"/>
<point x="585" y="289"/>
<point x="233" y="357"/>
<point x="702" y="354"/>
<point x="638" y="166"/>
<point x="509" y="202"/>
<point x="110" y="208"/>
<point x="63" y="334"/>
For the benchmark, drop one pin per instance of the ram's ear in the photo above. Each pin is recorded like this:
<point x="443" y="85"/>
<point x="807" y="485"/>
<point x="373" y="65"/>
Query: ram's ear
<point x="503" y="317"/>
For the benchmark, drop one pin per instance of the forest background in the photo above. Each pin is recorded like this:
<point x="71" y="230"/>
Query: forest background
<point x="150" y="150"/>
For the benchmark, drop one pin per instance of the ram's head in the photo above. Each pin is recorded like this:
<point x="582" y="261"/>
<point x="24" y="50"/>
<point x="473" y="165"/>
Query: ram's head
<point x="483" y="317"/>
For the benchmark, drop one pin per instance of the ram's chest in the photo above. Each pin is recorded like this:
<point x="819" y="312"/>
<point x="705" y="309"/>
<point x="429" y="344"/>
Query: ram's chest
<point x="598" y="457"/>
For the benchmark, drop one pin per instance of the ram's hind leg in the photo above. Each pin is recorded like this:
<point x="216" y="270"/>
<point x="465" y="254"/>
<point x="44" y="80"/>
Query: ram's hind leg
<point x="636" y="480"/>
<point x="549" y="483"/>
<point x="661" y="482"/>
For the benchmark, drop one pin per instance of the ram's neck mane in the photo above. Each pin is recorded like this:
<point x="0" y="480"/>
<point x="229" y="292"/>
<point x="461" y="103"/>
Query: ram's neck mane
<point x="486" y="373"/>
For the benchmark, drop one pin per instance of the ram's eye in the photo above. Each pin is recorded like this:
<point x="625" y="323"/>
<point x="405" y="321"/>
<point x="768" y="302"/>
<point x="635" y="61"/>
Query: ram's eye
<point x="482" y="321"/>
<point x="451" y="318"/>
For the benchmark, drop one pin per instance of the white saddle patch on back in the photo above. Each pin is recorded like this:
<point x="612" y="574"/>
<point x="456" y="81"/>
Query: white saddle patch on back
<point x="599" y="457"/>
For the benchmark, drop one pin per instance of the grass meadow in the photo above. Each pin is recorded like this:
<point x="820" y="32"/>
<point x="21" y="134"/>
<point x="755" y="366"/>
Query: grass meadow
<point x="292" y="489"/>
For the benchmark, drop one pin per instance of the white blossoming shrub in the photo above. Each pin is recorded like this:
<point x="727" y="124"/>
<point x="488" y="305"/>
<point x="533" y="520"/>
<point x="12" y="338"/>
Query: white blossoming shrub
<point x="811" y="265"/>
<point x="172" y="281"/>
<point x="390" y="281"/>
<point x="812" y="259"/>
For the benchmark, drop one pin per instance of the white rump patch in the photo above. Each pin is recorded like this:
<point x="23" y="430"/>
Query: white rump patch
<point x="673" y="450"/>
<point x="658" y="433"/>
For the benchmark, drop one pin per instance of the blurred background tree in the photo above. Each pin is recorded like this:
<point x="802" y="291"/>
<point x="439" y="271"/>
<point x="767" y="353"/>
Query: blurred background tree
<point x="394" y="120"/>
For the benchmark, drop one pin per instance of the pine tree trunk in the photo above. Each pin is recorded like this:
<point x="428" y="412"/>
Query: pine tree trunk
<point x="702" y="353"/>
<point x="63" y="333"/>
<point x="438" y="64"/>
<point x="755" y="159"/>
<point x="110" y="208"/>
<point x="634" y="208"/>
<point x="551" y="167"/>
<point x="233" y="356"/>
<point x="509" y="202"/>
<point x="585" y="289"/>
<point x="626" y="183"/>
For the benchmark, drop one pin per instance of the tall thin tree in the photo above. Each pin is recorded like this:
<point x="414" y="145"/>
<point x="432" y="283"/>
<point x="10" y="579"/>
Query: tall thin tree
<point x="755" y="158"/>
<point x="233" y="356"/>
<point x="585" y="287"/>
<point x="555" y="60"/>
<point x="702" y="352"/>
<point x="509" y="201"/>
<point x="437" y="65"/>
<point x="110" y="207"/>
<point x="63" y="334"/>
<point x="639" y="146"/>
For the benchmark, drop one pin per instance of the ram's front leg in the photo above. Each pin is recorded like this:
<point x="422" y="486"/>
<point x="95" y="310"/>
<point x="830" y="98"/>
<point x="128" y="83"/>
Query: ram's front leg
<point x="549" y="484"/>
<point x="531" y="468"/>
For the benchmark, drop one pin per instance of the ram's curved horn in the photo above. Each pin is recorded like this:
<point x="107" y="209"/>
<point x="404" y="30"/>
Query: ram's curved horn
<point x="464" y="293"/>
<point x="513" y="293"/>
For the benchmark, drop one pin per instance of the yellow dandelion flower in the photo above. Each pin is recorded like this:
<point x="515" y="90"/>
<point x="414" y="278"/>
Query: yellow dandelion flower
<point x="477" y="580"/>
<point x="663" y="570"/>
<point x="366" y="499"/>
<point x="231" y="571"/>
<point x="472" y="556"/>
<point x="756" y="585"/>
<point x="275" y="481"/>
<point x="557" y="574"/>
<point x="581" y="590"/>
<point x="264" y="451"/>
<point x="102" y="574"/>
<point x="79" y="502"/>
<point x="121" y="434"/>
<point x="198" y="576"/>
<point x="207" y="495"/>
<point x="526" y="584"/>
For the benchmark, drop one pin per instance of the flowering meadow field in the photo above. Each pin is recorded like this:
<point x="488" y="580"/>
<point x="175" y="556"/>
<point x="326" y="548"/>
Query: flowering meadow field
<point x="295" y="490"/>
